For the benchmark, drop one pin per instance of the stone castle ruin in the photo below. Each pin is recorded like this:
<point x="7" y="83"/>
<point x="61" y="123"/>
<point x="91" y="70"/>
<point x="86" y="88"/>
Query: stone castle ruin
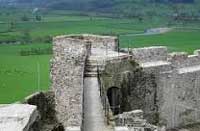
<point x="96" y="86"/>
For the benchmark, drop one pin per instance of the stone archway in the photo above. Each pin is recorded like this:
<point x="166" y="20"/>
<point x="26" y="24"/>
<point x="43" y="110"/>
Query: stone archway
<point x="114" y="98"/>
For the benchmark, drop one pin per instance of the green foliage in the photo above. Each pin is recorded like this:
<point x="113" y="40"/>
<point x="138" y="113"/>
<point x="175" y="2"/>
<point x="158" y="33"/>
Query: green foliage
<point x="133" y="63"/>
<point x="36" y="51"/>
<point x="26" y="37"/>
<point x="38" y="17"/>
<point x="12" y="25"/>
<point x="25" y="18"/>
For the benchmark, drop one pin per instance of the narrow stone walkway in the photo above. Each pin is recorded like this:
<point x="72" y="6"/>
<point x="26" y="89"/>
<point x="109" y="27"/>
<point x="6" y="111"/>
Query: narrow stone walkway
<point x="93" y="110"/>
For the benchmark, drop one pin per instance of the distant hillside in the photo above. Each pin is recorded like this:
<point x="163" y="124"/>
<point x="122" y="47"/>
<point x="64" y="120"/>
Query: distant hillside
<point x="74" y="4"/>
<point x="129" y="8"/>
<point x="176" y="1"/>
<point x="182" y="1"/>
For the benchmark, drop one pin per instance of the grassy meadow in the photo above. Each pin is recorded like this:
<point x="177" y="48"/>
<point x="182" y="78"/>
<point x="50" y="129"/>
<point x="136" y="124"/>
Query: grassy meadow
<point x="176" y="40"/>
<point x="22" y="75"/>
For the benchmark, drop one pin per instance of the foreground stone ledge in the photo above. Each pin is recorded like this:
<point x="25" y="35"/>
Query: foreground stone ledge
<point x="17" y="117"/>
<point x="121" y="128"/>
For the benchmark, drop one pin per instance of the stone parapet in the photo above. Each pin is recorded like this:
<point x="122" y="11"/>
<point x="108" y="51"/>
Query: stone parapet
<point x="67" y="73"/>
<point x="149" y="54"/>
<point x="182" y="59"/>
<point x="102" y="42"/>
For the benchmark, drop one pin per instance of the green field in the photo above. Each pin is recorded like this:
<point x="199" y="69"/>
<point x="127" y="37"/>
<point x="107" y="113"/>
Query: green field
<point x="22" y="75"/>
<point x="176" y="40"/>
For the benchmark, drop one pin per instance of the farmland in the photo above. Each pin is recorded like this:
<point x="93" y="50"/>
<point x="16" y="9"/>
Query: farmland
<point x="22" y="74"/>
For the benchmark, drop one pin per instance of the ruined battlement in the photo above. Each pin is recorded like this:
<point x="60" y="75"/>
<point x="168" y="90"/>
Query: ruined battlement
<point x="165" y="86"/>
<point x="157" y="56"/>
<point x="149" y="54"/>
<point x="96" y="41"/>
<point x="182" y="59"/>
<point x="166" y="76"/>
<point x="70" y="53"/>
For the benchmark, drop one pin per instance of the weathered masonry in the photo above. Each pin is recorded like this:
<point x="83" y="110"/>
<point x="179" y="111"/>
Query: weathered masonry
<point x="68" y="71"/>
<point x="165" y="86"/>
<point x="96" y="86"/>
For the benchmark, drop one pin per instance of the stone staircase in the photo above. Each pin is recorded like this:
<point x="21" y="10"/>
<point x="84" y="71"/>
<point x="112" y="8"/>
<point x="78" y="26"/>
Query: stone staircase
<point x="91" y="68"/>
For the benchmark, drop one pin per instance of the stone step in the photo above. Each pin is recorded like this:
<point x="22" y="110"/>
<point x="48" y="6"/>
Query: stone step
<point x="91" y="64"/>
<point x="92" y="61"/>
<point x="90" y="74"/>
<point x="93" y="68"/>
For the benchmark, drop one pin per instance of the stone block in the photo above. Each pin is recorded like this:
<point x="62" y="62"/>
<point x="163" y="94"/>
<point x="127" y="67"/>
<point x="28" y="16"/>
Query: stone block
<point x="17" y="117"/>
<point x="121" y="129"/>
<point x="75" y="128"/>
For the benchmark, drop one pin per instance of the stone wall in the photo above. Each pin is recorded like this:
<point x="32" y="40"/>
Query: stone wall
<point x="141" y="92"/>
<point x="179" y="98"/>
<point x="166" y="98"/>
<point x="102" y="42"/>
<point x="176" y="78"/>
<point x="146" y="83"/>
<point x="182" y="59"/>
<point x="138" y="88"/>
<point x="165" y="86"/>
<point x="187" y="94"/>
<point x="114" y="71"/>
<point x="149" y="54"/>
<point x="67" y="73"/>
<point x="179" y="90"/>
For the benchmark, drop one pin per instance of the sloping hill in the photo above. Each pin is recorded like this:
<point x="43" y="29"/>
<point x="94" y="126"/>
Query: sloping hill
<point x="128" y="8"/>
<point x="87" y="4"/>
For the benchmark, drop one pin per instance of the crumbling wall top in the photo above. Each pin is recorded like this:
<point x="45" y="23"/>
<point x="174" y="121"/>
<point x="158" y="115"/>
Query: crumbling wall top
<point x="182" y="59"/>
<point x="160" y="53"/>
<point x="150" y="54"/>
<point x="96" y="41"/>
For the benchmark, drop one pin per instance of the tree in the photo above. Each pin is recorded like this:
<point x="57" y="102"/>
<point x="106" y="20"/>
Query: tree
<point x="38" y="17"/>
<point x="24" y="18"/>
<point x="140" y="18"/>
<point x="26" y="37"/>
<point x="12" y="25"/>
